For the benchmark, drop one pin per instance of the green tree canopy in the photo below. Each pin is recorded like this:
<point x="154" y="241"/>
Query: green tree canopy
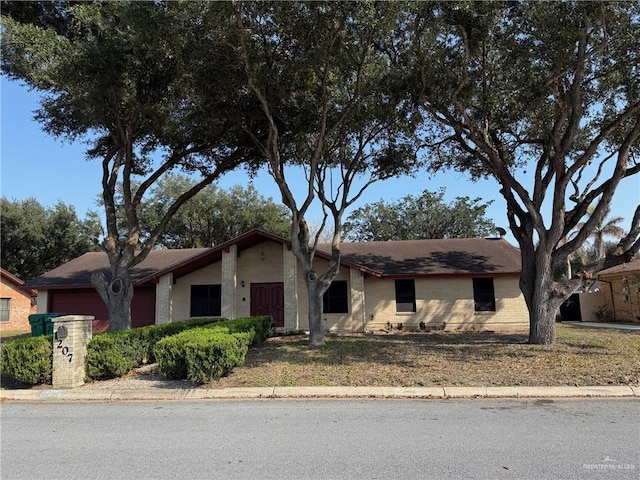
<point x="211" y="217"/>
<point x="131" y="77"/>
<point x="329" y="108"/>
<point x="419" y="217"/>
<point x="35" y="239"/>
<point x="545" y="98"/>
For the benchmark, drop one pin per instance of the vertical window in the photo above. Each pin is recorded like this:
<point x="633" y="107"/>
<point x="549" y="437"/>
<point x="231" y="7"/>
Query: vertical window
<point x="5" y="309"/>
<point x="405" y="296"/>
<point x="206" y="300"/>
<point x="484" y="299"/>
<point x="335" y="299"/>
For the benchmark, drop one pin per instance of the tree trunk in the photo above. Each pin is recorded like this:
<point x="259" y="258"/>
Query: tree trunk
<point x="117" y="295"/>
<point x="542" y="326"/>
<point x="539" y="290"/>
<point x="315" y="293"/>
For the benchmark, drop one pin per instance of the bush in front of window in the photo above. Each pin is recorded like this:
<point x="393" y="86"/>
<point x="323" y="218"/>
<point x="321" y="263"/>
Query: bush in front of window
<point x="27" y="360"/>
<point x="262" y="326"/>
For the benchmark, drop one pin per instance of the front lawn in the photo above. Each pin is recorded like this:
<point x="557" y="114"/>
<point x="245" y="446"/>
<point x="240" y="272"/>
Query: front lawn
<point x="581" y="356"/>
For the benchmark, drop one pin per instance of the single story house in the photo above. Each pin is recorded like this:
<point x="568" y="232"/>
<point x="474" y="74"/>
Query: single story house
<point x="614" y="296"/>
<point x="16" y="303"/>
<point x="448" y="284"/>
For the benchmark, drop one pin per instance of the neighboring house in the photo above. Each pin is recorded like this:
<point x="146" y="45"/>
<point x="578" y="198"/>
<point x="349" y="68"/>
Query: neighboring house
<point x="452" y="284"/>
<point x="614" y="296"/>
<point x="16" y="303"/>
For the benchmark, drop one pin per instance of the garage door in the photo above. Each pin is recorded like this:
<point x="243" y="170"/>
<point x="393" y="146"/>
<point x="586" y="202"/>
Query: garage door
<point x="88" y="302"/>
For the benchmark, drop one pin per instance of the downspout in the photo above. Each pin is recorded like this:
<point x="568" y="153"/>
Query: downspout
<point x="613" y="303"/>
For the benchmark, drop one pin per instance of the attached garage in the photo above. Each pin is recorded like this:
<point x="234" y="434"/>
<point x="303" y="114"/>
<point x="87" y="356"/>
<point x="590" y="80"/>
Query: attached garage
<point x="86" y="301"/>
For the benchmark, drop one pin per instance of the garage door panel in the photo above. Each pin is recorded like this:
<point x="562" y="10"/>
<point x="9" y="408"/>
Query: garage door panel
<point x="88" y="302"/>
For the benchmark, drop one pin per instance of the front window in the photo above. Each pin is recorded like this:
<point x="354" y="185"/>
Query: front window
<point x="484" y="299"/>
<point x="206" y="300"/>
<point x="405" y="296"/>
<point x="5" y="309"/>
<point x="335" y="299"/>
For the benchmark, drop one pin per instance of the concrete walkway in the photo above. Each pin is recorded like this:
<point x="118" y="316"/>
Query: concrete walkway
<point x="149" y="393"/>
<point x="617" y="326"/>
<point x="151" y="387"/>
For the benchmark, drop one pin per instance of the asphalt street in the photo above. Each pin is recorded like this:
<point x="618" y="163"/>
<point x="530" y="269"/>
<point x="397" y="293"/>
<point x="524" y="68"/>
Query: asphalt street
<point x="323" y="439"/>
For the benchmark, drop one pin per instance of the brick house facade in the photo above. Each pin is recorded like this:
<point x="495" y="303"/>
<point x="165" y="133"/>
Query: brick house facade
<point x="16" y="304"/>
<point x="453" y="284"/>
<point x="614" y="296"/>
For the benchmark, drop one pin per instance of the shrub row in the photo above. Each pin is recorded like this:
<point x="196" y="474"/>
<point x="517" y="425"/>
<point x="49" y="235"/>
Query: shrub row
<point x="205" y="354"/>
<point x="261" y="326"/>
<point x="113" y="354"/>
<point x="27" y="360"/>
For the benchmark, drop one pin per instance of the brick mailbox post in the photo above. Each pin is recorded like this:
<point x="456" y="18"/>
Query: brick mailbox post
<point x="71" y="335"/>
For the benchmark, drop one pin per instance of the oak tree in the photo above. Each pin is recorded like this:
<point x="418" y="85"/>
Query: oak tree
<point x="128" y="77"/>
<point x="328" y="109"/>
<point x="419" y="217"/>
<point x="36" y="239"/>
<point x="545" y="98"/>
<point x="211" y="217"/>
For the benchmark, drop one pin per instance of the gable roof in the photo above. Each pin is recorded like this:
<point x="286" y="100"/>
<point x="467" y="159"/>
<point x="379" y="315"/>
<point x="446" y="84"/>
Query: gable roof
<point x="77" y="272"/>
<point x="410" y="258"/>
<point x="15" y="281"/>
<point x="624" y="268"/>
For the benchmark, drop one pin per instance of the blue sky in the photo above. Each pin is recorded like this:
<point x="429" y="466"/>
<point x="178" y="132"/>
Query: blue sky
<point x="35" y="164"/>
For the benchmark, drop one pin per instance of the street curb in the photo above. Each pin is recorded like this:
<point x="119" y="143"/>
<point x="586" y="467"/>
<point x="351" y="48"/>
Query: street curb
<point x="122" y="395"/>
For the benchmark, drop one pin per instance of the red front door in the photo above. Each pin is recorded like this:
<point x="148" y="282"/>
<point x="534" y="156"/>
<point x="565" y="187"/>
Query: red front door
<point x="268" y="299"/>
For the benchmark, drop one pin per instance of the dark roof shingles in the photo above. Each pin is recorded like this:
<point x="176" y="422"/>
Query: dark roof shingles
<point x="435" y="257"/>
<point x="405" y="258"/>
<point x="78" y="271"/>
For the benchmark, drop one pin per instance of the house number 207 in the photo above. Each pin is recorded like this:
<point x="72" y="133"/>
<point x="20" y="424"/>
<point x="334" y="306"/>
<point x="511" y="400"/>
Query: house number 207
<point x="64" y="350"/>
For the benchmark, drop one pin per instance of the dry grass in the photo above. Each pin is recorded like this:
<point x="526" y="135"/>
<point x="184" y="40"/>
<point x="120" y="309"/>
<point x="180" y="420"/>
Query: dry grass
<point x="581" y="356"/>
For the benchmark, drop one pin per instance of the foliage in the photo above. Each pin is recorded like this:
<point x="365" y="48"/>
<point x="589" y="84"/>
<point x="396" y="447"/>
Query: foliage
<point x="607" y="227"/>
<point x="202" y="354"/>
<point x="27" y="360"/>
<point x="545" y="98"/>
<point x="130" y="77"/>
<point x="423" y="217"/>
<point x="113" y="354"/>
<point x="262" y="327"/>
<point x="328" y="107"/>
<point x="212" y="217"/>
<point x="36" y="239"/>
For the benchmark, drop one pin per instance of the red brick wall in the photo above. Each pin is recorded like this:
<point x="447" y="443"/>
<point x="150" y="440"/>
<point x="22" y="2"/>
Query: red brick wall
<point x="20" y="308"/>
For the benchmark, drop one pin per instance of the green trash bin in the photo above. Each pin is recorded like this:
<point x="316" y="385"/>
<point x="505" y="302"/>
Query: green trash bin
<point x="42" y="323"/>
<point x="37" y="324"/>
<point x="47" y="318"/>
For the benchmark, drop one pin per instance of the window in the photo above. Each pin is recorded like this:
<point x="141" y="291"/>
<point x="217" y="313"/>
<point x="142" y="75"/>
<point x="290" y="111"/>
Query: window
<point x="206" y="300"/>
<point x="336" y="299"/>
<point x="405" y="296"/>
<point x="5" y="309"/>
<point x="484" y="298"/>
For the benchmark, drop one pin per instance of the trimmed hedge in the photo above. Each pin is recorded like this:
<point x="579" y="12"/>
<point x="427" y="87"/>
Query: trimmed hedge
<point x="27" y="360"/>
<point x="261" y="326"/>
<point x="202" y="354"/>
<point x="113" y="354"/>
